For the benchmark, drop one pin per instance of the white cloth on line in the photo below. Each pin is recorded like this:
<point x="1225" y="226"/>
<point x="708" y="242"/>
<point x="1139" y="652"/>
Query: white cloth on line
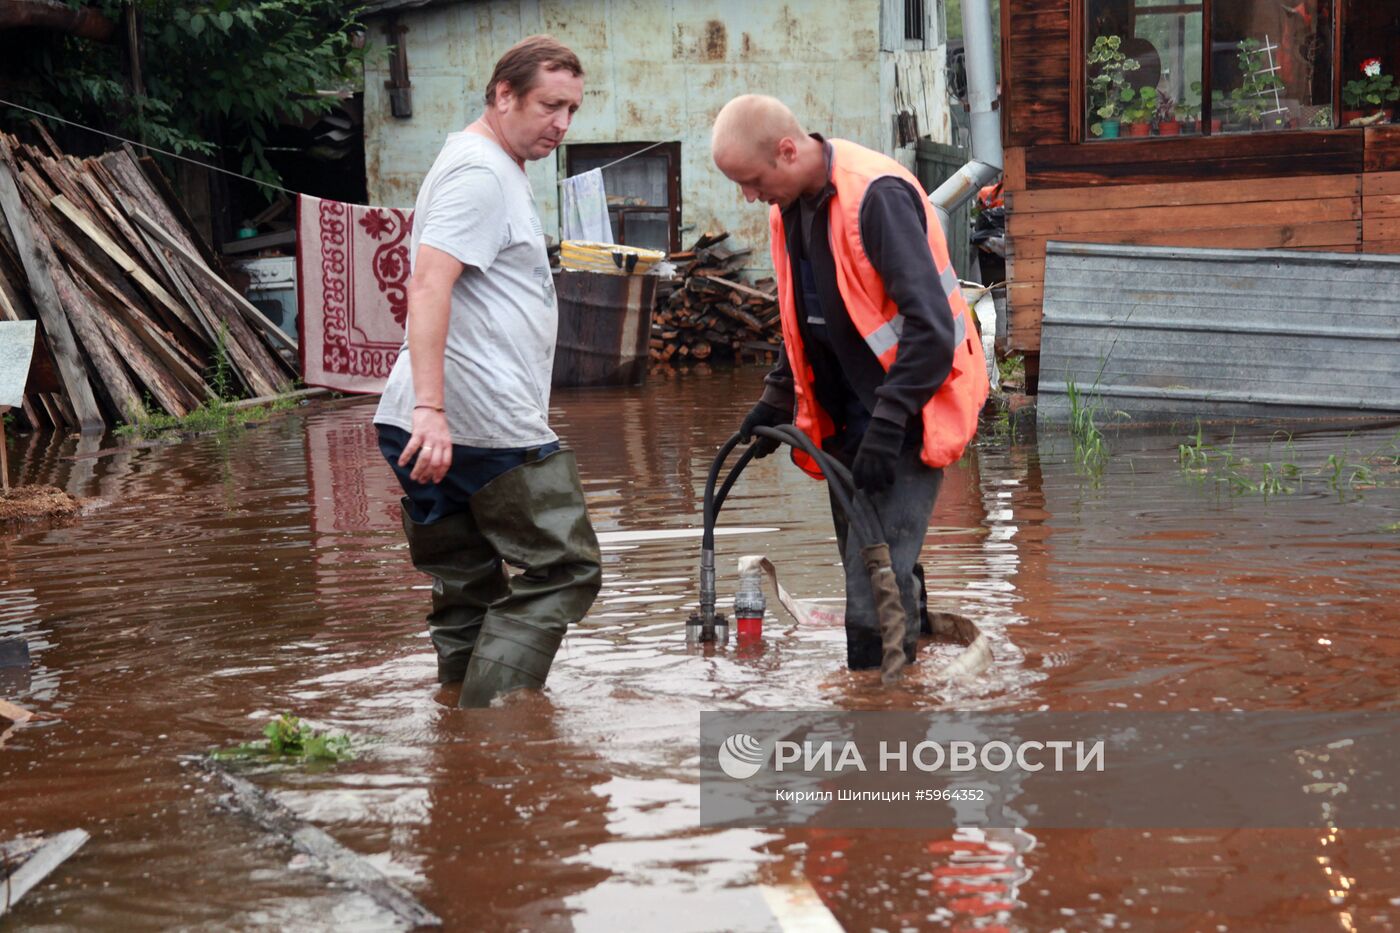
<point x="585" y="209"/>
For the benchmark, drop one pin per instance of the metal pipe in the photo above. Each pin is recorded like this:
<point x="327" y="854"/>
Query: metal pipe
<point x="979" y="60"/>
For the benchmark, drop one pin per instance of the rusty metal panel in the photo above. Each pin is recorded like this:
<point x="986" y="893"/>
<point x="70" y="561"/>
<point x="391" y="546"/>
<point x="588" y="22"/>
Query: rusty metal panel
<point x="604" y="328"/>
<point x="1168" y="335"/>
<point x="654" y="72"/>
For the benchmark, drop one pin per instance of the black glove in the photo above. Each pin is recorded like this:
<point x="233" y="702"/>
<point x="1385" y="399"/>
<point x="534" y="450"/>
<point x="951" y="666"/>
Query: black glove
<point x="873" y="469"/>
<point x="763" y="416"/>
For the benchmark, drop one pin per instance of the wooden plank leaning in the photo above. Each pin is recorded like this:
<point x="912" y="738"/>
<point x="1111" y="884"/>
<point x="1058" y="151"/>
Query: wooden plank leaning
<point x="256" y="316"/>
<point x="54" y="851"/>
<point x="128" y="265"/>
<point x="38" y="260"/>
<point x="340" y="864"/>
<point x="257" y="366"/>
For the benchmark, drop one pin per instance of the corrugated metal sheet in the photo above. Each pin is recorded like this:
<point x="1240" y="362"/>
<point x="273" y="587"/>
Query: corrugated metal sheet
<point x="1166" y="334"/>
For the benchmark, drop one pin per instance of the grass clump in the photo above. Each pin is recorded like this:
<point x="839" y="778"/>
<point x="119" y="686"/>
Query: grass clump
<point x="216" y="414"/>
<point x="290" y="737"/>
<point x="1090" y="449"/>
<point x="1343" y="472"/>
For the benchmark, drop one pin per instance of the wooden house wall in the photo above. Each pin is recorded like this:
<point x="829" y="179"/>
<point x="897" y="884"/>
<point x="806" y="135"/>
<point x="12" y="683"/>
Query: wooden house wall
<point x="1336" y="190"/>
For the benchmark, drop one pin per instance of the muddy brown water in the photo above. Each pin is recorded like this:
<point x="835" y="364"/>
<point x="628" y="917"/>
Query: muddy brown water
<point x="218" y="582"/>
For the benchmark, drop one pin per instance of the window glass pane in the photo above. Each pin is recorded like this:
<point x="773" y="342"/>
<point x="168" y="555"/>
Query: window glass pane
<point x="1144" y="67"/>
<point x="1271" y="64"/>
<point x="638" y="182"/>
<point x="649" y="230"/>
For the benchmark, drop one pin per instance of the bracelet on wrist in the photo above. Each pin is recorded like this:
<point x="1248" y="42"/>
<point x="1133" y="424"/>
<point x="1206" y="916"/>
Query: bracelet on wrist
<point x="430" y="407"/>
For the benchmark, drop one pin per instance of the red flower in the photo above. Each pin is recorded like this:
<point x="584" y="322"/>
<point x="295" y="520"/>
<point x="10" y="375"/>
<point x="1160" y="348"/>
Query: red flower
<point x="1371" y="67"/>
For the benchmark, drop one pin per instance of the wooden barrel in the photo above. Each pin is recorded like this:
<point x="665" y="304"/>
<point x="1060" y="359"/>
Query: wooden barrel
<point x="604" y="328"/>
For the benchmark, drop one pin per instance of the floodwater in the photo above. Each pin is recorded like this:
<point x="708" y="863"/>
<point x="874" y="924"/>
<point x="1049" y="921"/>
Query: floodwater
<point x="216" y="583"/>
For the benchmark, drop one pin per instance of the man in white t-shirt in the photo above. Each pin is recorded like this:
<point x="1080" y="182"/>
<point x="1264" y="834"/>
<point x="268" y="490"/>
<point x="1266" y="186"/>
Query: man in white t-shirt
<point x="464" y="419"/>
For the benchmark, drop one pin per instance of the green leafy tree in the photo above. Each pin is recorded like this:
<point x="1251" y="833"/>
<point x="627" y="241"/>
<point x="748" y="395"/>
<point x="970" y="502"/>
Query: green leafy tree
<point x="218" y="75"/>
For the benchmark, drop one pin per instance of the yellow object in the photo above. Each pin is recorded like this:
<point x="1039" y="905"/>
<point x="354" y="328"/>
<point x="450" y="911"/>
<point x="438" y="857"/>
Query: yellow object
<point x="583" y="256"/>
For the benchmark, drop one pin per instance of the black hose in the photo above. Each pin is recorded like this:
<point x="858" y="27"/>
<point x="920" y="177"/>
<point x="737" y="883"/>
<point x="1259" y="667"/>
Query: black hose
<point x="749" y="453"/>
<point x="707" y="542"/>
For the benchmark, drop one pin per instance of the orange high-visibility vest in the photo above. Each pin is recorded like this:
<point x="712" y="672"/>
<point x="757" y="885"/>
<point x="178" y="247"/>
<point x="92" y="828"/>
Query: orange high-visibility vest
<point x="950" y="417"/>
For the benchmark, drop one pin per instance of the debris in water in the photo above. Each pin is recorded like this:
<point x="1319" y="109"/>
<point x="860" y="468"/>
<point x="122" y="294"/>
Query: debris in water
<point x="290" y="737"/>
<point x="28" y="860"/>
<point x="26" y="503"/>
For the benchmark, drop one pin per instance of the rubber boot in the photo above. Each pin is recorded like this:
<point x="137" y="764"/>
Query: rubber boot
<point x="535" y="519"/>
<point x="904" y="510"/>
<point x="468" y="577"/>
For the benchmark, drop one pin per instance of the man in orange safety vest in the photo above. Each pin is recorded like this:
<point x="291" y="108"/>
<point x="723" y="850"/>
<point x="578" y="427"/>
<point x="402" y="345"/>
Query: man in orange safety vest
<point x="882" y="367"/>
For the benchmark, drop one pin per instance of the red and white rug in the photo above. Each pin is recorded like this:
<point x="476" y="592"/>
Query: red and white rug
<point x="352" y="292"/>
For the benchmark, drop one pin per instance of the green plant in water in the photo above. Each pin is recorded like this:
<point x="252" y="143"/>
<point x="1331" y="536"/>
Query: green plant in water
<point x="215" y="416"/>
<point x="1244" y="476"/>
<point x="1196" y="454"/>
<point x="1012" y="369"/>
<point x="290" y="737"/>
<point x="1090" y="450"/>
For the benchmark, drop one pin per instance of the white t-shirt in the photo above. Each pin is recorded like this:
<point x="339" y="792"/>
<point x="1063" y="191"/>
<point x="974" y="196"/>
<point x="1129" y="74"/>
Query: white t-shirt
<point x="477" y="206"/>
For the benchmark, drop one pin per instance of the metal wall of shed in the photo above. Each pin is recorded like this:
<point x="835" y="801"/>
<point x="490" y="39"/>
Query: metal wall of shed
<point x="655" y="71"/>
<point x="1166" y="334"/>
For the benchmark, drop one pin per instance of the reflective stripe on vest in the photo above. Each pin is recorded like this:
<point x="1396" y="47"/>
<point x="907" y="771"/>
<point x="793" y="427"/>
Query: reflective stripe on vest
<point x="888" y="334"/>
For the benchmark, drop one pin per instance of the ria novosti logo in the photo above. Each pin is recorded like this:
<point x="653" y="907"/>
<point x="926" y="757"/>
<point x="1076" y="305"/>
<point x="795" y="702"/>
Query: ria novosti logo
<point x="741" y="756"/>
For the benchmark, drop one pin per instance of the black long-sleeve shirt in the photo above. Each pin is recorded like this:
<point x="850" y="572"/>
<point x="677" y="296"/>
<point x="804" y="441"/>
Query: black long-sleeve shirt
<point x="850" y="383"/>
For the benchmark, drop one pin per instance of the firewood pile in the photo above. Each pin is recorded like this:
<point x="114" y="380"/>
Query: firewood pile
<point x="706" y="314"/>
<point x="132" y="315"/>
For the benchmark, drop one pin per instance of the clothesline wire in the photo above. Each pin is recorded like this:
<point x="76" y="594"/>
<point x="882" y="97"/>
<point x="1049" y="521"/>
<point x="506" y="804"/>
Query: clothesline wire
<point x="224" y="171"/>
<point x="165" y="152"/>
<point x="630" y="155"/>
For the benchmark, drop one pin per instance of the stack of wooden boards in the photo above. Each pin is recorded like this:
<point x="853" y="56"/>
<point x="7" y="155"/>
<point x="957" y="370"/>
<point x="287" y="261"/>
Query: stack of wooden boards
<point x="133" y="317"/>
<point x="707" y="314"/>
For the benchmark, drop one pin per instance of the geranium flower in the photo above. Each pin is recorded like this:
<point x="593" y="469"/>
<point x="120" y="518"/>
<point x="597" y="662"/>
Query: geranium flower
<point x="1372" y="67"/>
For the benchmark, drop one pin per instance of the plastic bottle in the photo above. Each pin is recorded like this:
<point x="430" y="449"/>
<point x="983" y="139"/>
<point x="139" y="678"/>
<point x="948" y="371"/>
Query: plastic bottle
<point x="749" y="603"/>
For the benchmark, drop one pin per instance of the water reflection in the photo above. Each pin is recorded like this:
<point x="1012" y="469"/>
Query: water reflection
<point x="213" y="583"/>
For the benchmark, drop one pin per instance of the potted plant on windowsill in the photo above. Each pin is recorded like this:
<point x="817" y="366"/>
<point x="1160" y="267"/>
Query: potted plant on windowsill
<point x="1250" y="102"/>
<point x="1137" y="115"/>
<point x="1368" y="97"/>
<point x="1108" y="89"/>
<point x="1189" y="114"/>
<point x="1167" y="122"/>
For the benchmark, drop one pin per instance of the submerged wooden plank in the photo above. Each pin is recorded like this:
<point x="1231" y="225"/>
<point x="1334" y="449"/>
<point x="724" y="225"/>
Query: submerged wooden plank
<point x="54" y="852"/>
<point x="341" y="864"/>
